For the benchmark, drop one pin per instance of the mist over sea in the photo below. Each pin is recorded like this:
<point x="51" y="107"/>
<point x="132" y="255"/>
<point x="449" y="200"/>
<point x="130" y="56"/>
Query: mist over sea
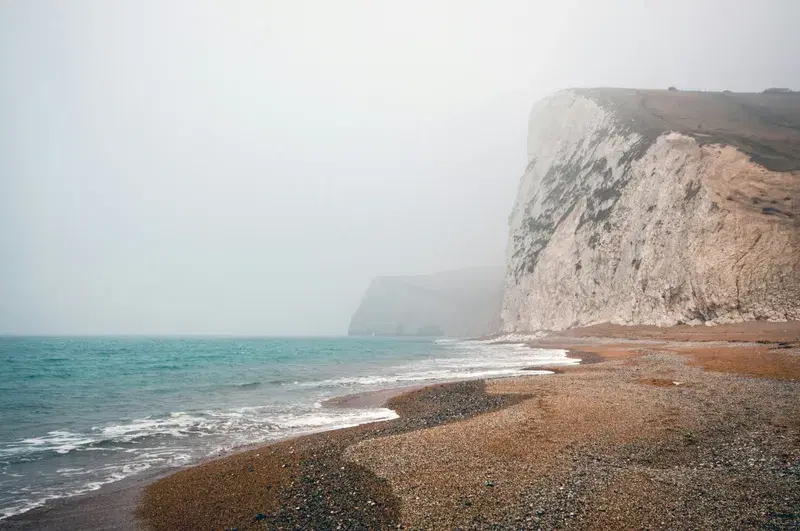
<point x="78" y="413"/>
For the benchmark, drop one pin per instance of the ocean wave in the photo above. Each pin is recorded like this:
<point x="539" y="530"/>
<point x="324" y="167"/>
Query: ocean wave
<point x="25" y="502"/>
<point x="513" y="338"/>
<point x="236" y="427"/>
<point x="118" y="449"/>
<point x="475" y="360"/>
<point x="431" y="376"/>
<point x="248" y="424"/>
<point x="247" y="385"/>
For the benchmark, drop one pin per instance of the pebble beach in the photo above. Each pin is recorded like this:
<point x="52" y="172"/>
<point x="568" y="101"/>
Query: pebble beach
<point x="656" y="429"/>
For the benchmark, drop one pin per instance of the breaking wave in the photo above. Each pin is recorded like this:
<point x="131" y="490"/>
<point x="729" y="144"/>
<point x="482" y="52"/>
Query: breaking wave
<point x="276" y="397"/>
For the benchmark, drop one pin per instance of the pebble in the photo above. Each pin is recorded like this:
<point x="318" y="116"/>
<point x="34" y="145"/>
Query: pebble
<point x="337" y="494"/>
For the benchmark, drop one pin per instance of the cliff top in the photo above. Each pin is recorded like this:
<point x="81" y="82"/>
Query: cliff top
<point x="764" y="126"/>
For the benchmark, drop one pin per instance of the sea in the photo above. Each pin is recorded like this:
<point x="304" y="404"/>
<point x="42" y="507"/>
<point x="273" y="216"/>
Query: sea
<point x="78" y="413"/>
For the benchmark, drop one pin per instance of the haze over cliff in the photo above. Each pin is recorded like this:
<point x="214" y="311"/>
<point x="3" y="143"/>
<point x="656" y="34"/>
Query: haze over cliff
<point x="459" y="303"/>
<point x="656" y="207"/>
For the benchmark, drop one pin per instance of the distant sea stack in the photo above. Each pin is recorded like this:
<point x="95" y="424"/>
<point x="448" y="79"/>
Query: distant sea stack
<point x="462" y="303"/>
<point x="656" y="207"/>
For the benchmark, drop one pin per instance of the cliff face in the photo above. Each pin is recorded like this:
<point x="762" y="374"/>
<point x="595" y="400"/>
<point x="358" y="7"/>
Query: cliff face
<point x="656" y="207"/>
<point x="461" y="303"/>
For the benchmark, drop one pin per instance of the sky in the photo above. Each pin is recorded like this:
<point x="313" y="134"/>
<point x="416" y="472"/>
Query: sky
<point x="246" y="167"/>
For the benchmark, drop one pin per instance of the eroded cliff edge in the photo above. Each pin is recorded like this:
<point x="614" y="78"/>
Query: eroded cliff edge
<point x="656" y="207"/>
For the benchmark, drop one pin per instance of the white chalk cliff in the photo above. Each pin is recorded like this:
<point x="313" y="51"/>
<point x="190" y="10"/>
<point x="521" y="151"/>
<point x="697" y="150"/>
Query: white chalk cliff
<point x="461" y="303"/>
<point x="656" y="207"/>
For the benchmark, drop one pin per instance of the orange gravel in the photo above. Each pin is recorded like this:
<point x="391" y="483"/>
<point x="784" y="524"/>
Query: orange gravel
<point x="614" y="444"/>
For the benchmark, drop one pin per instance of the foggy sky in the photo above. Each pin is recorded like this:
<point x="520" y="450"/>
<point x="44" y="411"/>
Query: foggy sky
<point x="186" y="167"/>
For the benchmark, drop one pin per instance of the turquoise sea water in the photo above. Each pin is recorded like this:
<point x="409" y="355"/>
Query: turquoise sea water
<point x="78" y="413"/>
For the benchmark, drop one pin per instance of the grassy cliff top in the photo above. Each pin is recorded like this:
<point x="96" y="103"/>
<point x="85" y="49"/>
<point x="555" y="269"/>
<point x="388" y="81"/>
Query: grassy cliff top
<point x="764" y="126"/>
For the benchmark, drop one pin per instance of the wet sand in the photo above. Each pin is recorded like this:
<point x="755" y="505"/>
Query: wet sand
<point x="682" y="428"/>
<point x="369" y="399"/>
<point x="112" y="507"/>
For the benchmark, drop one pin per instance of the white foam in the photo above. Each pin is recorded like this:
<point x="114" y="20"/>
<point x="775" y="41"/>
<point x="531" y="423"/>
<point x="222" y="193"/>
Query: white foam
<point x="474" y="360"/>
<point x="513" y="338"/>
<point x="177" y="424"/>
<point x="337" y="419"/>
<point x="233" y="427"/>
<point x="51" y="493"/>
<point x="239" y="426"/>
<point x="59" y="441"/>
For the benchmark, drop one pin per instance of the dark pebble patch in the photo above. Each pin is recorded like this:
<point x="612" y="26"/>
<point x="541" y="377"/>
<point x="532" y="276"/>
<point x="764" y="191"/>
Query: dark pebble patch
<point x="315" y="488"/>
